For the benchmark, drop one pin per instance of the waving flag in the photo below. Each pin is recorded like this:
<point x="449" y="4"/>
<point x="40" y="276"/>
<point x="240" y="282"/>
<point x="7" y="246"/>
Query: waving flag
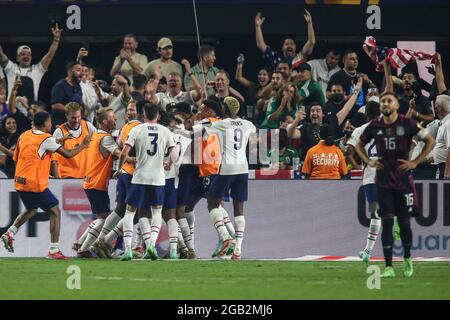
<point x="398" y="58"/>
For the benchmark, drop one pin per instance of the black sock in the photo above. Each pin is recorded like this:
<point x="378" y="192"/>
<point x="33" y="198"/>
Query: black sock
<point x="406" y="236"/>
<point x="388" y="240"/>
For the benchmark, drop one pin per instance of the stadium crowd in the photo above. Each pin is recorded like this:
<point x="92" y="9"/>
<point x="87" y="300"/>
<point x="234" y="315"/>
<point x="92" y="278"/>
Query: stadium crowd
<point x="292" y="94"/>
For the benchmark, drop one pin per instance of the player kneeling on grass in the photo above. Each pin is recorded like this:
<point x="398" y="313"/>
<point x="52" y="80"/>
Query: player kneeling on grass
<point x="33" y="161"/>
<point x="233" y="134"/>
<point x="151" y="142"/>
<point x="393" y="134"/>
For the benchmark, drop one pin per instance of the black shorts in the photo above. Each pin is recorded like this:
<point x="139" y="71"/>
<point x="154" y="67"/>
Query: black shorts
<point x="398" y="203"/>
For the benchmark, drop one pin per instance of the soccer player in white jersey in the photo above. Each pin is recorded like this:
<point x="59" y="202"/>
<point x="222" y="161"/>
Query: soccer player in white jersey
<point x="151" y="142"/>
<point x="372" y="112"/>
<point x="234" y="134"/>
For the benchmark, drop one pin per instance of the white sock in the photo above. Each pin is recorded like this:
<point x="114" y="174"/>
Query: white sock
<point x="110" y="222"/>
<point x="172" y="228"/>
<point x="13" y="230"/>
<point x="144" y="225"/>
<point x="115" y="233"/>
<point x="54" y="247"/>
<point x="240" y="228"/>
<point x="372" y="235"/>
<point x="93" y="234"/>
<point x="190" y="217"/>
<point x="181" y="243"/>
<point x="227" y="222"/>
<point x="85" y="233"/>
<point x="156" y="225"/>
<point x="138" y="239"/>
<point x="186" y="232"/>
<point x="217" y="220"/>
<point x="128" y="229"/>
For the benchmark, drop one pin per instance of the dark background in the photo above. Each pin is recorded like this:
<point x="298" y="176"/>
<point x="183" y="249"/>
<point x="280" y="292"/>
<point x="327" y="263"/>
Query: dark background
<point x="228" y="26"/>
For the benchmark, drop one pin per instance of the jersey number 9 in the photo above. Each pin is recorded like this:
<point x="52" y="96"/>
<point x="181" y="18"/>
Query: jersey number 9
<point x="238" y="139"/>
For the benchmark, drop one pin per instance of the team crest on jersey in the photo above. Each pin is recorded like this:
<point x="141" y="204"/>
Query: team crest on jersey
<point x="400" y="131"/>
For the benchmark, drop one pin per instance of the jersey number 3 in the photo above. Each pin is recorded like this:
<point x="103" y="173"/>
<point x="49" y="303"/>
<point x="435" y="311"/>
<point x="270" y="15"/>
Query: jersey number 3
<point x="154" y="144"/>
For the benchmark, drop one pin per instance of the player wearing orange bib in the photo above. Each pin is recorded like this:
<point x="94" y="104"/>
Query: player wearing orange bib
<point x="71" y="134"/>
<point x="99" y="170"/>
<point x="33" y="158"/>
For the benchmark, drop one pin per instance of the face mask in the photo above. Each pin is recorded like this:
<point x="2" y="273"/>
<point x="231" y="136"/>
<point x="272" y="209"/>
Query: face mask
<point x="337" y="97"/>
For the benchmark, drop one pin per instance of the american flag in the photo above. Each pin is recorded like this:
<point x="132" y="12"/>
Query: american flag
<point x="398" y="58"/>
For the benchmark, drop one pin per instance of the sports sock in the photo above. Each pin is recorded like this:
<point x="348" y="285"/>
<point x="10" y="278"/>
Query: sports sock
<point x="388" y="240"/>
<point x="406" y="236"/>
<point x="156" y="225"/>
<point x="186" y="232"/>
<point x="217" y="220"/>
<point x="138" y="240"/>
<point x="372" y="235"/>
<point x="172" y="228"/>
<point x="144" y="225"/>
<point x="181" y="243"/>
<point x="13" y="230"/>
<point x="227" y="222"/>
<point x="54" y="247"/>
<point x="190" y="217"/>
<point x="128" y="229"/>
<point x="115" y="233"/>
<point x="110" y="222"/>
<point x="240" y="228"/>
<point x="93" y="234"/>
<point x="85" y="233"/>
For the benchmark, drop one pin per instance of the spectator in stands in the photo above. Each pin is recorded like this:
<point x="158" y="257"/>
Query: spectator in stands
<point x="308" y="89"/>
<point x="8" y="140"/>
<point x="350" y="125"/>
<point x="93" y="96"/>
<point x="323" y="69"/>
<point x="270" y="91"/>
<point x="120" y="90"/>
<point x="23" y="121"/>
<point x="66" y="90"/>
<point x="24" y="68"/>
<point x="307" y="131"/>
<point x="373" y="94"/>
<point x="2" y="74"/>
<point x="223" y="90"/>
<point x="413" y="103"/>
<point x="325" y="160"/>
<point x="162" y="85"/>
<point x="285" y="68"/>
<point x="3" y="105"/>
<point x="286" y="154"/>
<point x="441" y="152"/>
<point x="204" y="71"/>
<point x="286" y="103"/>
<point x="440" y="80"/>
<point x="255" y="88"/>
<point x="129" y="62"/>
<point x="348" y="77"/>
<point x="273" y="57"/>
<point x="165" y="51"/>
<point x="138" y="93"/>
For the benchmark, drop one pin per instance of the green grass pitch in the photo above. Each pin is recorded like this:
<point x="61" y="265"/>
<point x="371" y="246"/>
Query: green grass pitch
<point x="26" y="278"/>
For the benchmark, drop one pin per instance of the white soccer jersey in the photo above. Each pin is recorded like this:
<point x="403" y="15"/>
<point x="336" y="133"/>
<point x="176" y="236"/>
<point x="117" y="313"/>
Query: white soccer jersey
<point x="181" y="144"/>
<point x="151" y="142"/>
<point x="371" y="149"/>
<point x="233" y="135"/>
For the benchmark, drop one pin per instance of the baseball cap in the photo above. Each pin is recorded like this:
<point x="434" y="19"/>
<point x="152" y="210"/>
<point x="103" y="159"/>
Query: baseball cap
<point x="232" y="104"/>
<point x="164" y="42"/>
<point x="22" y="48"/>
<point x="304" y="66"/>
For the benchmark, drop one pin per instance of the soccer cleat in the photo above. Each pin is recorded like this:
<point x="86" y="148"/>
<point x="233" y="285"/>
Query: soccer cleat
<point x="192" y="254"/>
<point x="408" y="267"/>
<point x="365" y="256"/>
<point x="173" y="254"/>
<point x="388" y="273"/>
<point x="8" y="241"/>
<point x="151" y="253"/>
<point x="235" y="256"/>
<point x="76" y="246"/>
<point x="218" y="246"/>
<point x="57" y="256"/>
<point x="138" y="252"/>
<point x="127" y="255"/>
<point x="104" y="248"/>
<point x="225" y="247"/>
<point x="230" y="250"/>
<point x="85" y="255"/>
<point x="396" y="229"/>
<point x="184" y="253"/>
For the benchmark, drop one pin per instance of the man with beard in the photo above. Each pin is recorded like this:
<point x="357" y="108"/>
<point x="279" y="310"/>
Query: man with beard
<point x="120" y="89"/>
<point x="24" y="67"/>
<point x="165" y="50"/>
<point x="273" y="57"/>
<point x="413" y="103"/>
<point x="393" y="134"/>
<point x="323" y="69"/>
<point x="66" y="90"/>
